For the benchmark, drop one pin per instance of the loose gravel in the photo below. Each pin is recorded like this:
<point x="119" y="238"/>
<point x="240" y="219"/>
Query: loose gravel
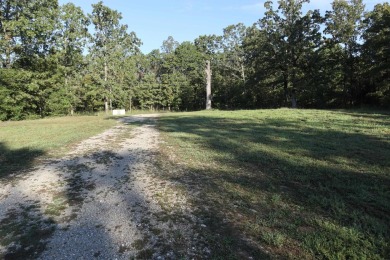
<point x="103" y="200"/>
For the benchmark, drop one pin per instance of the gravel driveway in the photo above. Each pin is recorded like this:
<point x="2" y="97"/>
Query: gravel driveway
<point x="103" y="200"/>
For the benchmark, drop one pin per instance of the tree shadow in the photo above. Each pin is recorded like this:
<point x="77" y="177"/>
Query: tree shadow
<point x="16" y="161"/>
<point x="264" y="189"/>
<point x="291" y="178"/>
<point x="25" y="231"/>
<point x="162" y="232"/>
<point x="369" y="113"/>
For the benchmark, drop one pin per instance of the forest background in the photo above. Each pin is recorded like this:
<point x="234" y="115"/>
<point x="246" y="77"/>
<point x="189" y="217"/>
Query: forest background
<point x="53" y="63"/>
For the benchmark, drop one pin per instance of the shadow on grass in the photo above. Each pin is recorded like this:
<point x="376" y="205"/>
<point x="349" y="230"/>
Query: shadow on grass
<point x="298" y="188"/>
<point x="25" y="231"/>
<point x="16" y="161"/>
<point x="368" y="113"/>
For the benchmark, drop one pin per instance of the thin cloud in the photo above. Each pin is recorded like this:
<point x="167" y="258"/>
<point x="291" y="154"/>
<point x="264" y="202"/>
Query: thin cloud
<point x="187" y="7"/>
<point x="255" y="8"/>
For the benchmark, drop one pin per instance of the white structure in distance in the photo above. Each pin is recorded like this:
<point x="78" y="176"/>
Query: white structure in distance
<point x="118" y="112"/>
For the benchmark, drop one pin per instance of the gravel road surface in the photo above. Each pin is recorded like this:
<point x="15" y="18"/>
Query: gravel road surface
<point x="103" y="200"/>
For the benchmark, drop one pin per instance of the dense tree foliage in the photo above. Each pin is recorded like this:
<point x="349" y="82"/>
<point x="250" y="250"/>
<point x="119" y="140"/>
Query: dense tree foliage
<point x="376" y="56"/>
<point x="58" y="60"/>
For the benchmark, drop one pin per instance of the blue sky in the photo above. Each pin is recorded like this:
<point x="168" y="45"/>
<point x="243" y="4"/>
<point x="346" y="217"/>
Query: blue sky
<point x="153" y="21"/>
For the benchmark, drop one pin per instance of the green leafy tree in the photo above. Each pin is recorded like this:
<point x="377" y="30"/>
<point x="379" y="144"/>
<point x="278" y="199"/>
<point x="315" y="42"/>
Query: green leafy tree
<point x="344" y="24"/>
<point x="191" y="63"/>
<point x="26" y="28"/>
<point x="16" y="101"/>
<point x="172" y="87"/>
<point x="110" y="41"/>
<point x="169" y="45"/>
<point x="376" y="53"/>
<point x="290" y="38"/>
<point x="72" y="40"/>
<point x="8" y="34"/>
<point x="232" y="45"/>
<point x="28" y="43"/>
<point x="231" y="66"/>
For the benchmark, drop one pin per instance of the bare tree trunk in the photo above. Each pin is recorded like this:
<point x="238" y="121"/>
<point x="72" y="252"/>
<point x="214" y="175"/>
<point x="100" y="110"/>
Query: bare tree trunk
<point x="110" y="100"/>
<point x="106" y="105"/>
<point x="293" y="99"/>
<point x="105" y="83"/>
<point x="285" y="87"/>
<point x="208" y="86"/>
<point x="131" y="103"/>
<point x="243" y="73"/>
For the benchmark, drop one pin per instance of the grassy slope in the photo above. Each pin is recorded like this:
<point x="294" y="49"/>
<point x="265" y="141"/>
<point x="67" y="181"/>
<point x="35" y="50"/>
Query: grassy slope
<point x="21" y="143"/>
<point x="285" y="183"/>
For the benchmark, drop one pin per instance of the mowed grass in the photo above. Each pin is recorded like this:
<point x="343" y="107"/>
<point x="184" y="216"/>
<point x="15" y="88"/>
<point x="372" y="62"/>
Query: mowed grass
<point x="22" y="143"/>
<point x="284" y="183"/>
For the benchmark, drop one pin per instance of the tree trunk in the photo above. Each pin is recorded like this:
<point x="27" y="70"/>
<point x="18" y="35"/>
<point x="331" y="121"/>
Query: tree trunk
<point x="351" y="94"/>
<point x="208" y="86"/>
<point x="8" y="48"/>
<point x="243" y="73"/>
<point x="294" y="83"/>
<point x="285" y="88"/>
<point x="110" y="101"/>
<point x="105" y="83"/>
<point x="6" y="8"/>
<point x="70" y="92"/>
<point x="131" y="104"/>
<point x="106" y="105"/>
<point x="8" y="58"/>
<point x="293" y="99"/>
<point x="347" y="78"/>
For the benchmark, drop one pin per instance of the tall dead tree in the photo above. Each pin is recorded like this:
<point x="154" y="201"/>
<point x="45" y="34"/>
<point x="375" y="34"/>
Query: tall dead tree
<point x="208" y="85"/>
<point x="105" y="85"/>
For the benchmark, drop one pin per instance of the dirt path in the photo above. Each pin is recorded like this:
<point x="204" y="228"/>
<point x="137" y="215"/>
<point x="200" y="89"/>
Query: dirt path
<point x="102" y="200"/>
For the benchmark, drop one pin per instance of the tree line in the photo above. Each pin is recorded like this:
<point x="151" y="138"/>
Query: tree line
<point x="57" y="60"/>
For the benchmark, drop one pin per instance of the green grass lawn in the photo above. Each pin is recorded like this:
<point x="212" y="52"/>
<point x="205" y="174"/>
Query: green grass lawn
<point x="284" y="183"/>
<point x="267" y="183"/>
<point x="23" y="142"/>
